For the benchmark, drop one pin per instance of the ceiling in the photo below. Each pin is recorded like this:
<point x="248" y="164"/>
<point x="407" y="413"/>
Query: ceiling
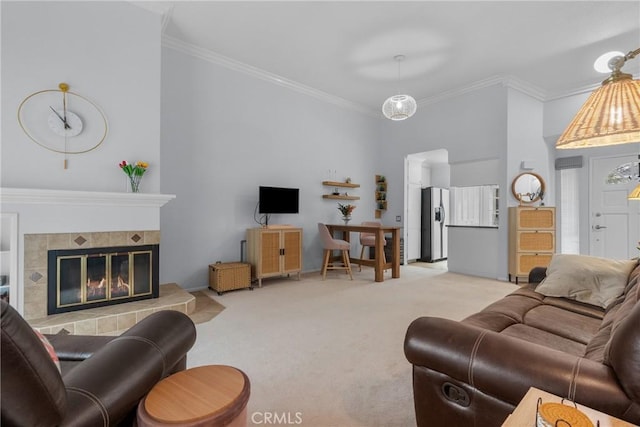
<point x="345" y="49"/>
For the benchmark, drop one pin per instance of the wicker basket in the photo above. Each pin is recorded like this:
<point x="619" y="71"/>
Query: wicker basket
<point x="557" y="414"/>
<point x="229" y="276"/>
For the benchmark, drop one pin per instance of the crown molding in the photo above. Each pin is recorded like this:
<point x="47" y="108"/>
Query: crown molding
<point x="224" y="61"/>
<point x="508" y="81"/>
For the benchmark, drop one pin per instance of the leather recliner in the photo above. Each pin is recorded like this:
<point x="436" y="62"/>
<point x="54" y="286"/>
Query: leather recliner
<point x="102" y="379"/>
<point x="474" y="372"/>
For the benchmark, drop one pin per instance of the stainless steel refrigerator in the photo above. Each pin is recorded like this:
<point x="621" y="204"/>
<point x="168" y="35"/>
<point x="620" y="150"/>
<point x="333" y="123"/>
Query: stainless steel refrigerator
<point x="435" y="208"/>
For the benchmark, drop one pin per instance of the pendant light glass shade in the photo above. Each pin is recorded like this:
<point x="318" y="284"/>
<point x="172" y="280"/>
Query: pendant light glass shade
<point x="399" y="107"/>
<point x="611" y="114"/>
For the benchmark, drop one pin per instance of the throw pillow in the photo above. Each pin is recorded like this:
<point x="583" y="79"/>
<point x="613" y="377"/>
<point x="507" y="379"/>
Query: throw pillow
<point x="47" y="346"/>
<point x="592" y="280"/>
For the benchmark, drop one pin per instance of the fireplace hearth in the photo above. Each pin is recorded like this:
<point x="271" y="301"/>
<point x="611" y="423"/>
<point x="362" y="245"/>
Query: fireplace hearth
<point x="94" y="277"/>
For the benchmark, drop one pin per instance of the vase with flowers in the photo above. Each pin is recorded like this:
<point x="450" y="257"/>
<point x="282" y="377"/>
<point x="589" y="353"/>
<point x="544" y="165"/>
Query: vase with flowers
<point x="346" y="210"/>
<point x="134" y="173"/>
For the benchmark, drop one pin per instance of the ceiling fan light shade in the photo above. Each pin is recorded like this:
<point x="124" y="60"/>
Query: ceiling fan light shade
<point x="399" y="107"/>
<point x="611" y="115"/>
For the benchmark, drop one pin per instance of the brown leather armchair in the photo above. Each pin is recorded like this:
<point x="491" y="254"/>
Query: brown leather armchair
<point x="102" y="379"/>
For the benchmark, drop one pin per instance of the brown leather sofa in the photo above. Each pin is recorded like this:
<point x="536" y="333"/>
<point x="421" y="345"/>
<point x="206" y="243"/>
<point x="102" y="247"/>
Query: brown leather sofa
<point x="475" y="372"/>
<point x="102" y="379"/>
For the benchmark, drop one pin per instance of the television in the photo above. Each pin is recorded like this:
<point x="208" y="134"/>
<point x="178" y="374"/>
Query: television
<point x="278" y="200"/>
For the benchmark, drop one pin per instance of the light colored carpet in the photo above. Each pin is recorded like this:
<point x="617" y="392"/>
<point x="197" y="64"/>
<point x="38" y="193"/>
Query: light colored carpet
<point x="330" y="353"/>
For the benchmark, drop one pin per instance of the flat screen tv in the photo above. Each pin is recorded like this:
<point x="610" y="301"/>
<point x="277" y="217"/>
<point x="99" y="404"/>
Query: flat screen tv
<point x="278" y="200"/>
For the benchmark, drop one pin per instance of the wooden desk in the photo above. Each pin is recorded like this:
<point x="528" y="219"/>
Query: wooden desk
<point x="379" y="232"/>
<point x="525" y="412"/>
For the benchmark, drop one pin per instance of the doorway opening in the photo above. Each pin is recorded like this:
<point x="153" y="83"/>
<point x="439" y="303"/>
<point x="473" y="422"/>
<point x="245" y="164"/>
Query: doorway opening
<point x="422" y="170"/>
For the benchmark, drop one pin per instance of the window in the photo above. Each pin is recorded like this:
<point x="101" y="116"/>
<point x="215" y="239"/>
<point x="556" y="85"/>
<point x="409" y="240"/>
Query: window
<point x="569" y="212"/>
<point x="474" y="206"/>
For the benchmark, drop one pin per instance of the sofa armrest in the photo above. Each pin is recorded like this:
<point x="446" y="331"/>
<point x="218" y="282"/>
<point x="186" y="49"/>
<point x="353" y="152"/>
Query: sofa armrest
<point x="104" y="388"/>
<point x="505" y="367"/>
<point x="77" y="347"/>
<point x="537" y="274"/>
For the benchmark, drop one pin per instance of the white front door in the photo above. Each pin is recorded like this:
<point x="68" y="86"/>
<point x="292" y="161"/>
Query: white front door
<point x="614" y="220"/>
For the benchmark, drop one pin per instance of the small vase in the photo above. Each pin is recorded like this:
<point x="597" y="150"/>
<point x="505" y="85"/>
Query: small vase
<point x="346" y="219"/>
<point x="134" y="183"/>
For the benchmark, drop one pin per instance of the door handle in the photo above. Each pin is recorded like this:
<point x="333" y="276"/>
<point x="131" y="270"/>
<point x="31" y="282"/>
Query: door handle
<point x="598" y="227"/>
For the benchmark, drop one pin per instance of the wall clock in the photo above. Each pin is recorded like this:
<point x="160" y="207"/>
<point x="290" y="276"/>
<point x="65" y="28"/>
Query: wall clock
<point x="63" y="121"/>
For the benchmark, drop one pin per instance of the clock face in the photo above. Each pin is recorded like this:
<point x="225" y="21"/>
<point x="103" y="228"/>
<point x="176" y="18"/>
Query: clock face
<point x="42" y="117"/>
<point x="72" y="126"/>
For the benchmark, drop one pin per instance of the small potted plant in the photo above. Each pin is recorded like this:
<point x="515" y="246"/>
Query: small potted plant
<point x="346" y="210"/>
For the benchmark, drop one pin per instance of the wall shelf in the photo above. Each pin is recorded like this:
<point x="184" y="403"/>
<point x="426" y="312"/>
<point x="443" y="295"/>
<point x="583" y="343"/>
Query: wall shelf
<point x="339" y="197"/>
<point x="337" y="184"/>
<point x="380" y="195"/>
<point x="340" y="184"/>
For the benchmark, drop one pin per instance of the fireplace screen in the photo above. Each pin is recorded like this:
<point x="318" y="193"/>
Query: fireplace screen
<point x="80" y="279"/>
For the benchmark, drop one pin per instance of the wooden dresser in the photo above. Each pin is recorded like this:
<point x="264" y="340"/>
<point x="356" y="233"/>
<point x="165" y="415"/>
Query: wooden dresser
<point x="532" y="238"/>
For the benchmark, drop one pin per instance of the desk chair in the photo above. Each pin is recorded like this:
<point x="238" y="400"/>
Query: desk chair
<point x="369" y="240"/>
<point x="330" y="244"/>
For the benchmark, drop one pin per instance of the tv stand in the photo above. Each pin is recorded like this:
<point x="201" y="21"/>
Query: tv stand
<point x="274" y="250"/>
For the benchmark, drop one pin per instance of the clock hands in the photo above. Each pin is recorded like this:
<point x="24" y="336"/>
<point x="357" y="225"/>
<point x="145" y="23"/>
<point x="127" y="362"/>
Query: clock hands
<point x="63" y="120"/>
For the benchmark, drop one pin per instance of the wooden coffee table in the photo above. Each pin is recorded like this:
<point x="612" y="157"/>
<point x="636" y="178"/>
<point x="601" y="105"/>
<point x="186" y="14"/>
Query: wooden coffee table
<point x="212" y="395"/>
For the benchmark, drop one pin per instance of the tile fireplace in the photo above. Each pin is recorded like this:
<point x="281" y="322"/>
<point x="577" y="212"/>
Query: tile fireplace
<point x="50" y="219"/>
<point x="96" y="277"/>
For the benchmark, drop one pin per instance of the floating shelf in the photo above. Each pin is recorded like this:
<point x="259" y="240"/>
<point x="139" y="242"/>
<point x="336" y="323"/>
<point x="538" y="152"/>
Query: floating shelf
<point x="340" y="197"/>
<point x="340" y="184"/>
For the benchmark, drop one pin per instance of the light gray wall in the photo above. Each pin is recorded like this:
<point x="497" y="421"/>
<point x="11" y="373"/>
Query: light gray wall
<point x="107" y="51"/>
<point x="473" y="128"/>
<point x="224" y="134"/>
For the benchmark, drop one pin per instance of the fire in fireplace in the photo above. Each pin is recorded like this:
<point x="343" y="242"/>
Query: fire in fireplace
<point x="84" y="278"/>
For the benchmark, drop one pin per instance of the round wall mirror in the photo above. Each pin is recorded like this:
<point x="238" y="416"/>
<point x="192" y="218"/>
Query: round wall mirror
<point x="528" y="187"/>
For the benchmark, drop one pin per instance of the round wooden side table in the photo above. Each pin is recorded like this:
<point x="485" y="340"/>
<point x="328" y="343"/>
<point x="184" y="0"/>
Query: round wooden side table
<point x="212" y="396"/>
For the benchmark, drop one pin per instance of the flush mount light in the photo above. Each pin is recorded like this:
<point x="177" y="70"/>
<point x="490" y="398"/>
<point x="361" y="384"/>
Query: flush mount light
<point x="602" y="63"/>
<point x="399" y="107"/>
<point x="611" y="114"/>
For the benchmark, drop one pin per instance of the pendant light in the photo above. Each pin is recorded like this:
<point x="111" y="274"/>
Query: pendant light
<point x="399" y="107"/>
<point x="611" y="114"/>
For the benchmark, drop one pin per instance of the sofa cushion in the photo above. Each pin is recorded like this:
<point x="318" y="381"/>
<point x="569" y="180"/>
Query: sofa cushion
<point x="587" y="279"/>
<point x="622" y="352"/>
<point x="563" y="323"/>
<point x="547" y="339"/>
<point x="49" y="348"/>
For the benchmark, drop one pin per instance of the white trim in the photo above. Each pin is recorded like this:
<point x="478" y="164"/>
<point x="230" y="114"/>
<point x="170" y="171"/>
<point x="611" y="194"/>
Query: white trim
<point x="10" y="220"/>
<point x="215" y="58"/>
<point x="85" y="198"/>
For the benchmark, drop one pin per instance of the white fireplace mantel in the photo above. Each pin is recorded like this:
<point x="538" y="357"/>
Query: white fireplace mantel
<point x="86" y="198"/>
<point x="45" y="211"/>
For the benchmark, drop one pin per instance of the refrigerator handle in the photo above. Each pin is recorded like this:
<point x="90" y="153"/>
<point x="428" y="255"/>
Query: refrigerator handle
<point x="443" y="213"/>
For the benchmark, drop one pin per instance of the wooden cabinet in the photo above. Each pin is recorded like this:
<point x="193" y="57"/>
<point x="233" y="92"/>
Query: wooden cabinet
<point x="532" y="239"/>
<point x="335" y="185"/>
<point x="274" y="251"/>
